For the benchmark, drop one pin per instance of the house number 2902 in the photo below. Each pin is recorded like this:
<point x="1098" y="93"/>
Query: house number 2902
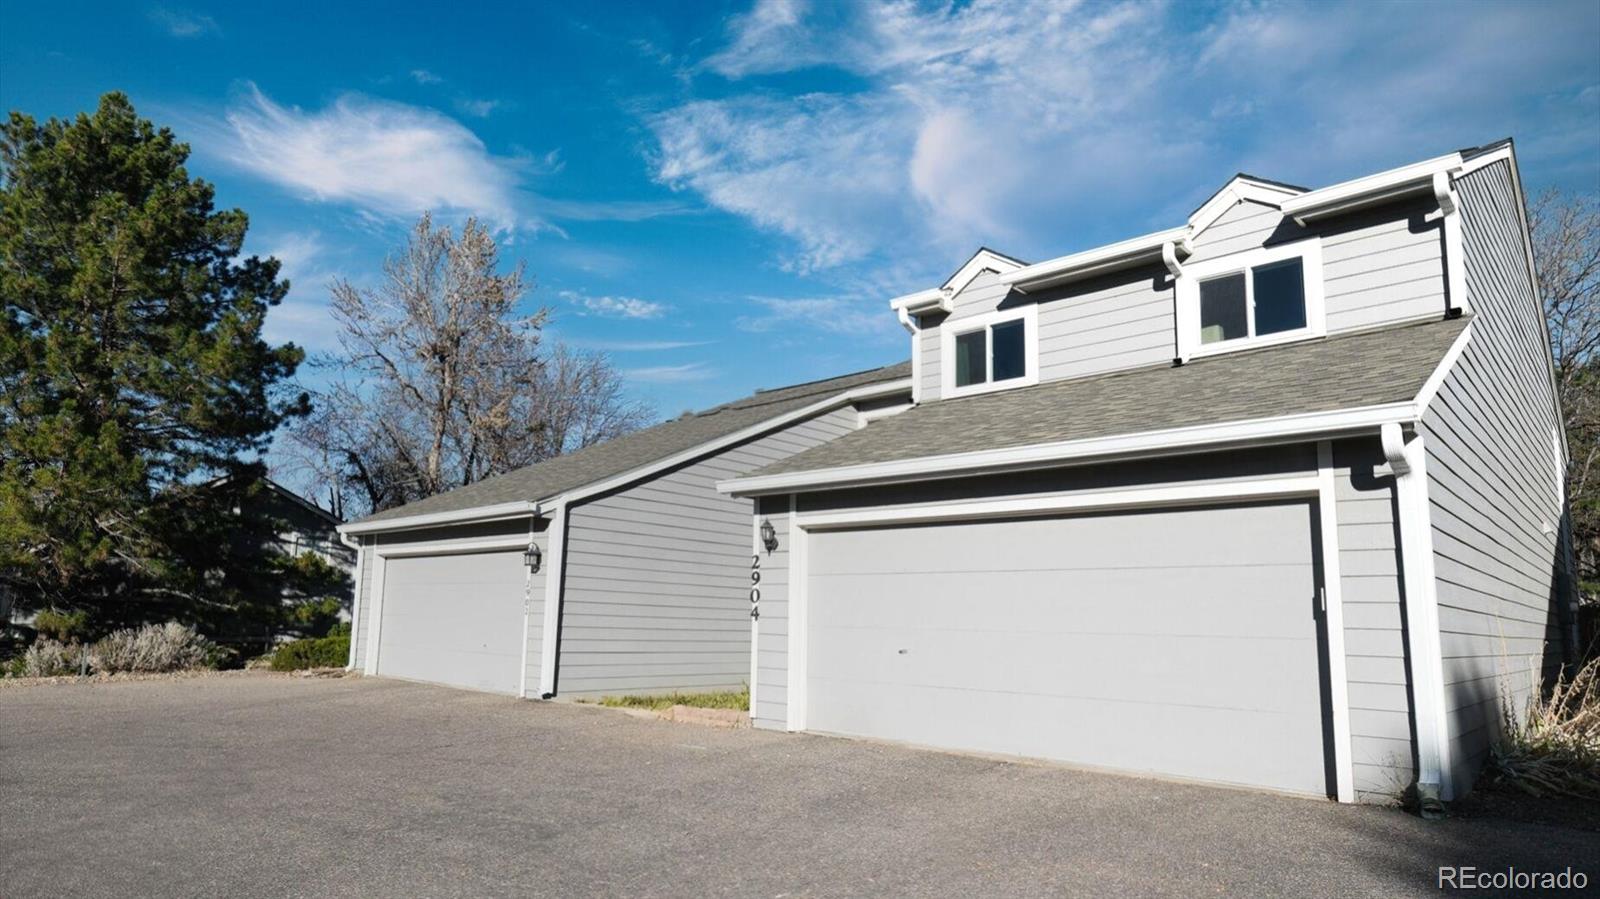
<point x="755" y="586"/>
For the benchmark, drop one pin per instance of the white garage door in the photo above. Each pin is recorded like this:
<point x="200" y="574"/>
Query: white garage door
<point x="1183" y="642"/>
<point x="454" y="619"/>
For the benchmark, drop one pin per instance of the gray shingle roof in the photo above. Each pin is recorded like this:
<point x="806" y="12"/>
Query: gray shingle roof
<point x="552" y="477"/>
<point x="1341" y="372"/>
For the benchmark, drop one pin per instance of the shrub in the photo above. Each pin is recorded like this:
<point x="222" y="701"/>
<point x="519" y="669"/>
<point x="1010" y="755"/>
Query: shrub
<point x="332" y="651"/>
<point x="52" y="658"/>
<point x="62" y="627"/>
<point x="153" y="648"/>
<point x="1554" y="745"/>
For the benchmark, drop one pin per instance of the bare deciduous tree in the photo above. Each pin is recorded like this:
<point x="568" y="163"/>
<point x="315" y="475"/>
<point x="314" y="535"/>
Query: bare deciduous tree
<point x="442" y="383"/>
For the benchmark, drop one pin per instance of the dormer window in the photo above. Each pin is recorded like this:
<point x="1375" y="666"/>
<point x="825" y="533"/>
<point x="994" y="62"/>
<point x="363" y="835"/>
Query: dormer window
<point x="991" y="352"/>
<point x="1251" y="299"/>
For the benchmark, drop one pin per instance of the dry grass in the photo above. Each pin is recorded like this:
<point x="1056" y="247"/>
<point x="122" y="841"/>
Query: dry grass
<point x="1552" y="747"/>
<point x="730" y="700"/>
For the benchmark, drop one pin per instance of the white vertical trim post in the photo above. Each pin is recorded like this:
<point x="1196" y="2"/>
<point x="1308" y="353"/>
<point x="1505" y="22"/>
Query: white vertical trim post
<point x="556" y="553"/>
<point x="375" y="612"/>
<point x="798" y="616"/>
<point x="527" y="618"/>
<point x="355" y="605"/>
<point x="1333" y="622"/>
<point x="1409" y="462"/>
<point x="755" y="607"/>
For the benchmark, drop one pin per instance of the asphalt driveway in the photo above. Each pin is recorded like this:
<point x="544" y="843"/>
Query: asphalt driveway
<point x="270" y="786"/>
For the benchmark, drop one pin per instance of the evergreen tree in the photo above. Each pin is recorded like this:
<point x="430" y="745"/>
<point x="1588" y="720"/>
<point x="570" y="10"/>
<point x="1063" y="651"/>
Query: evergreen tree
<point x="132" y="372"/>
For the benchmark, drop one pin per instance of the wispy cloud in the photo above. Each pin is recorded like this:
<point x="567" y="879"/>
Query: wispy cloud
<point x="182" y="23"/>
<point x="1031" y="127"/>
<point x="423" y="76"/>
<point x="381" y="156"/>
<point x="670" y="374"/>
<point x="478" y="109"/>
<point x="303" y="316"/>
<point x="633" y="346"/>
<point x="834" y="315"/>
<point x="614" y="306"/>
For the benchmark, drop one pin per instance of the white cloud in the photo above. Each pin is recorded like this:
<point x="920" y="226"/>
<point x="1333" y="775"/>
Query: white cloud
<point x="833" y="315"/>
<point x="183" y="24"/>
<point x="670" y="374"/>
<point x="423" y="76"/>
<point x="479" y="109"/>
<point x="303" y="316"/>
<point x="1045" y="129"/>
<point x="632" y="346"/>
<point x="614" y="307"/>
<point x="384" y="157"/>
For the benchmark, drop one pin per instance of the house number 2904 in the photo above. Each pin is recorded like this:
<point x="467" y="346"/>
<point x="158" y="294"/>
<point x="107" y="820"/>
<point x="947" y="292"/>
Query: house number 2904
<point x="755" y="586"/>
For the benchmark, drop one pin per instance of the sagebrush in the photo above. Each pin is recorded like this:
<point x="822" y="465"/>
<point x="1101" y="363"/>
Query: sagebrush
<point x="1552" y="745"/>
<point x="52" y="658"/>
<point x="153" y="648"/>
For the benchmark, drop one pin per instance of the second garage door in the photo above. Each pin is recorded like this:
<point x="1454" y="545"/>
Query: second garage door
<point x="1183" y="642"/>
<point x="454" y="619"/>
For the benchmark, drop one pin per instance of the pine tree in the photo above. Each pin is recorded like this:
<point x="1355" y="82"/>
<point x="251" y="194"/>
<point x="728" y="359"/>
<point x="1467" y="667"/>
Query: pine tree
<point x="132" y="369"/>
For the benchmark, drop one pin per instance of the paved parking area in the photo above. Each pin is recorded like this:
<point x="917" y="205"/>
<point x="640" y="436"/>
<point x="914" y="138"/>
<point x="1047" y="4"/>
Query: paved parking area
<point x="272" y="786"/>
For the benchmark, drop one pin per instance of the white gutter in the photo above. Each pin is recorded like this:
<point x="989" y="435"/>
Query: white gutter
<point x="1408" y="462"/>
<point x="934" y="299"/>
<point x="1372" y="190"/>
<point x="1126" y="446"/>
<point x="498" y="512"/>
<point x="1079" y="266"/>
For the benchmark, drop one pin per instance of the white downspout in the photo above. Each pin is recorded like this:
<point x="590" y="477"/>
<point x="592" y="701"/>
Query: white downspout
<point x="1454" y="264"/>
<point x="555" y="550"/>
<point x="355" y="594"/>
<point x="1169" y="256"/>
<point x="916" y="354"/>
<point x="1408" y="461"/>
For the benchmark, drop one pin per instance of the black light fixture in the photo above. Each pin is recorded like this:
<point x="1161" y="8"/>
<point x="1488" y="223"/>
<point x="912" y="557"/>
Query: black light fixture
<point x="769" y="536"/>
<point x="531" y="557"/>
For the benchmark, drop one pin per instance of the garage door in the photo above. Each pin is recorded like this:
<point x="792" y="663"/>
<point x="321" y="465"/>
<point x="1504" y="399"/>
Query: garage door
<point x="1182" y="642"/>
<point x="454" y="620"/>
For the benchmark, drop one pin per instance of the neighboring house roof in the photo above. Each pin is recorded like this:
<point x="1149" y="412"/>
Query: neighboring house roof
<point x="553" y="477"/>
<point x="284" y="492"/>
<point x="1370" y="368"/>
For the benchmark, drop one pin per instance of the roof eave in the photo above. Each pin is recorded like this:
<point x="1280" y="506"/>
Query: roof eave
<point x="475" y="515"/>
<point x="1137" y="251"/>
<point x="1172" y="441"/>
<point x="1384" y="187"/>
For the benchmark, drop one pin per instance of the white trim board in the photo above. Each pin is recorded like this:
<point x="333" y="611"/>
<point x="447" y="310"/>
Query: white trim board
<point x="1028" y="315"/>
<point x="1318" y="486"/>
<point x="1171" y="441"/>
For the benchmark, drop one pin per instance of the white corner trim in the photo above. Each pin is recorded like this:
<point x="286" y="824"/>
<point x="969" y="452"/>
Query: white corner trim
<point x="497" y="512"/>
<point x="1430" y="388"/>
<point x="755" y="618"/>
<point x="369" y="660"/>
<point x="527" y="616"/>
<point x="1169" y="441"/>
<point x="1408" y="460"/>
<point x="355" y="606"/>
<point x="1028" y="314"/>
<point x="1333" y="621"/>
<point x="1112" y="257"/>
<point x="799" y="622"/>
<point x="1382" y="187"/>
<point x="556" y="553"/>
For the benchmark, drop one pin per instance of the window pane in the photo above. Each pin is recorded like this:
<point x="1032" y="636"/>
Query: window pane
<point x="1010" y="360"/>
<point x="970" y="350"/>
<point x="1222" y="313"/>
<point x="1280" y="297"/>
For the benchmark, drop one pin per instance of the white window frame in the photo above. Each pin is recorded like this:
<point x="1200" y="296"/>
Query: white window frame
<point x="950" y="330"/>
<point x="1309" y="252"/>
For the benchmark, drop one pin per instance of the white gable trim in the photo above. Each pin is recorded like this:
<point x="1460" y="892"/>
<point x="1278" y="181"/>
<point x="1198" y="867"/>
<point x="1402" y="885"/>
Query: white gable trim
<point x="1242" y="189"/>
<point x="984" y="260"/>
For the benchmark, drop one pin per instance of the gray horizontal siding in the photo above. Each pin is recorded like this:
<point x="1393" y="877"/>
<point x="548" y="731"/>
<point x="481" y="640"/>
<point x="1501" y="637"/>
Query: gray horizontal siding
<point x="1104" y="324"/>
<point x="657" y="577"/>
<point x="1493" y="481"/>
<point x="1381" y="750"/>
<point x="1383" y="266"/>
<point x="1247" y="226"/>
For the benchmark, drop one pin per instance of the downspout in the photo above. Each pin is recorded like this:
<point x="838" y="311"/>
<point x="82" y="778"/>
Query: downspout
<point x="1169" y="256"/>
<point x="916" y="355"/>
<point x="1454" y="264"/>
<point x="556" y="550"/>
<point x="1408" y="462"/>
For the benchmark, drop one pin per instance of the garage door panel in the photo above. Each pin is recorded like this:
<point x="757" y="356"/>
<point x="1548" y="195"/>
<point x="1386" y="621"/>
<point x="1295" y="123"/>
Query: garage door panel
<point x="1075" y="599"/>
<point x="1175" y="641"/>
<point x="1241" y="535"/>
<point x="454" y="619"/>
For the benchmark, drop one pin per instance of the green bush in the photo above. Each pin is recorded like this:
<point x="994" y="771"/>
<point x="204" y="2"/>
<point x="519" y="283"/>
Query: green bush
<point x="332" y="651"/>
<point x="62" y="627"/>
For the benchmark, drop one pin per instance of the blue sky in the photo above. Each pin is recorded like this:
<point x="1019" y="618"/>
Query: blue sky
<point x="723" y="196"/>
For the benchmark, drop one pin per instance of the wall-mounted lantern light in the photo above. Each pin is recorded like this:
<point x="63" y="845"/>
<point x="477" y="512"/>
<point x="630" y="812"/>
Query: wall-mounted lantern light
<point x="532" y="557"/>
<point x="769" y="536"/>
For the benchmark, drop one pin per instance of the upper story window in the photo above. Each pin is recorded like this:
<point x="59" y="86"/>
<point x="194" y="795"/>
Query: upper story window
<point x="990" y="352"/>
<point x="1250" y="299"/>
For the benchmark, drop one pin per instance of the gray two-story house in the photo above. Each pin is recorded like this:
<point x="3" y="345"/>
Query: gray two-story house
<point x="1272" y="498"/>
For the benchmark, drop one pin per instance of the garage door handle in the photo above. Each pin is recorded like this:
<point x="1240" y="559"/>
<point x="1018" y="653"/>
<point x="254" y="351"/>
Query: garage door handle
<point x="901" y="652"/>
